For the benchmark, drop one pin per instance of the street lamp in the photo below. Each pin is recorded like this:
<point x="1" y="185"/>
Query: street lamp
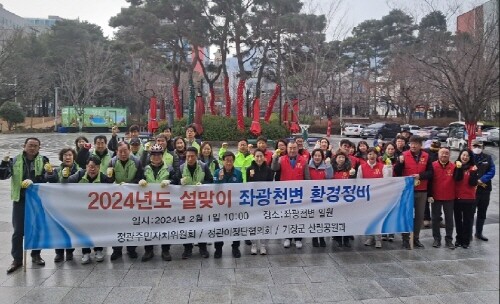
<point x="55" y="107"/>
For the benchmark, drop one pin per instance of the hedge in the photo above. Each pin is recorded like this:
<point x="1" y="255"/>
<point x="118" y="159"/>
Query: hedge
<point x="220" y="128"/>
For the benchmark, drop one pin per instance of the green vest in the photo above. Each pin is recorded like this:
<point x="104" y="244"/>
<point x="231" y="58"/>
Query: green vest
<point x="221" y="153"/>
<point x="210" y="163"/>
<point x="104" y="162"/>
<point x="17" y="175"/>
<point x="149" y="175"/>
<point x="168" y="159"/>
<point x="192" y="144"/>
<point x="85" y="179"/>
<point x="198" y="176"/>
<point x="242" y="162"/>
<point x="124" y="174"/>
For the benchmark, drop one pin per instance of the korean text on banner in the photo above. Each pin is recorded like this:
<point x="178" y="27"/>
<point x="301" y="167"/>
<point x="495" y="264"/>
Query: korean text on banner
<point x="88" y="215"/>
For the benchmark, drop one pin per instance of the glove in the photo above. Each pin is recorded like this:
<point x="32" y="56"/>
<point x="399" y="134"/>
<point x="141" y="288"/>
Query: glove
<point x="48" y="168"/>
<point x="352" y="172"/>
<point x="65" y="172"/>
<point x="6" y="158"/>
<point x="377" y="148"/>
<point x="458" y="164"/>
<point x="328" y="161"/>
<point x="183" y="181"/>
<point x="122" y="183"/>
<point x="87" y="146"/>
<point x="430" y="199"/>
<point x="109" y="172"/>
<point x="224" y="145"/>
<point x="147" y="146"/>
<point x="164" y="183"/>
<point x="143" y="183"/>
<point x="276" y="153"/>
<point x="198" y="184"/>
<point x="26" y="183"/>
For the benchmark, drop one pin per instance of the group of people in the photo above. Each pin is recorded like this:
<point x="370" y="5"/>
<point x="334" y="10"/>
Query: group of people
<point x="456" y="188"/>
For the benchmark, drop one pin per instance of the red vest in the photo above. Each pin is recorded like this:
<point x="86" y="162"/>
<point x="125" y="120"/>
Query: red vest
<point x="268" y="155"/>
<point x="341" y="175"/>
<point x="464" y="191"/>
<point x="412" y="167"/>
<point x="443" y="184"/>
<point x="369" y="172"/>
<point x="305" y="154"/>
<point x="354" y="161"/>
<point x="289" y="173"/>
<point x="317" y="173"/>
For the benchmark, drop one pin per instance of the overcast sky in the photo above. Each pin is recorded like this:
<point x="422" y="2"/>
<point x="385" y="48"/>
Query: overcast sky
<point x="100" y="11"/>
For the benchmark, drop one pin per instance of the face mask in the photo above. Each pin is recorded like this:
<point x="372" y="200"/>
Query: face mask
<point x="477" y="150"/>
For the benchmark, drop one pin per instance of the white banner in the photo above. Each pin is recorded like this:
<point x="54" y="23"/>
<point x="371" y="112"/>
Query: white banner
<point x="88" y="215"/>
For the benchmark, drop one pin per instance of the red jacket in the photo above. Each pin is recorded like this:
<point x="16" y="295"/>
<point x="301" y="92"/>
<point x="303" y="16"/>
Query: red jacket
<point x="290" y="173"/>
<point x="369" y="172"/>
<point x="443" y="183"/>
<point x="412" y="167"/>
<point x="463" y="190"/>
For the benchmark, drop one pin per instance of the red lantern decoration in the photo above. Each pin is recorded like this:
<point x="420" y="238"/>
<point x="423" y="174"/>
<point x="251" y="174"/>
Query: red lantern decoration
<point x="255" y="128"/>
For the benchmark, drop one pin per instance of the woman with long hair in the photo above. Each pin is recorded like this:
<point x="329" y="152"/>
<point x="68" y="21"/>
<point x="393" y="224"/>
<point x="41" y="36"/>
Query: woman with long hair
<point x="466" y="180"/>
<point x="207" y="157"/>
<point x="319" y="169"/>
<point x="342" y="169"/>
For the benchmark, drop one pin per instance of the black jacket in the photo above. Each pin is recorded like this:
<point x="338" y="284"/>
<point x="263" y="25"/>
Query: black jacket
<point x="262" y="173"/>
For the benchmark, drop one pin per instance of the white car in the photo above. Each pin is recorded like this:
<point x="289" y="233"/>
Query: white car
<point x="353" y="130"/>
<point x="412" y="128"/>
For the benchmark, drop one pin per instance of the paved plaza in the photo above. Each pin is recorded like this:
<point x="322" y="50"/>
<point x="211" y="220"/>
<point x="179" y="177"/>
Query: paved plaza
<point x="309" y="275"/>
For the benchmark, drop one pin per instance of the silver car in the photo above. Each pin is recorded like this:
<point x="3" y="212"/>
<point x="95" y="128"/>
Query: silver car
<point x="353" y="130"/>
<point x="493" y="136"/>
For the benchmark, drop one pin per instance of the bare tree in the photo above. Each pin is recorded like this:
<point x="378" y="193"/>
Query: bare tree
<point x="465" y="70"/>
<point x="83" y="76"/>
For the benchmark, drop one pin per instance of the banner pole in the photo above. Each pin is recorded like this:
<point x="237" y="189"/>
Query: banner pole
<point x="411" y="240"/>
<point x="24" y="260"/>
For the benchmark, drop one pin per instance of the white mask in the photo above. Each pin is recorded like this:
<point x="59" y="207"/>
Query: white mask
<point x="477" y="150"/>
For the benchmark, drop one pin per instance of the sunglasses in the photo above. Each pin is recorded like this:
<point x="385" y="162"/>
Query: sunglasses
<point x="477" y="146"/>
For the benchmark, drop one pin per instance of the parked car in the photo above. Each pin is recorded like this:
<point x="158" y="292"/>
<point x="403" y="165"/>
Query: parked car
<point x="433" y="131"/>
<point x="442" y="135"/>
<point x="485" y="132"/>
<point x="353" y="130"/>
<point x="492" y="137"/>
<point x="412" y="128"/>
<point x="381" y="130"/>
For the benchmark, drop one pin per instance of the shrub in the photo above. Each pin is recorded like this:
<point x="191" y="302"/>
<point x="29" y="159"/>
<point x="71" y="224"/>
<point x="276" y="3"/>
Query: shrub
<point x="221" y="128"/>
<point x="11" y="113"/>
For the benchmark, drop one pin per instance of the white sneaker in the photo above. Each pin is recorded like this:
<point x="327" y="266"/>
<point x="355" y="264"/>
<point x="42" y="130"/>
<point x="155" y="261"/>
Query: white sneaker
<point x="370" y="241"/>
<point x="286" y="244"/>
<point x="263" y="250"/>
<point x="378" y="244"/>
<point x="253" y="250"/>
<point x="99" y="256"/>
<point x="298" y="244"/>
<point x="86" y="258"/>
